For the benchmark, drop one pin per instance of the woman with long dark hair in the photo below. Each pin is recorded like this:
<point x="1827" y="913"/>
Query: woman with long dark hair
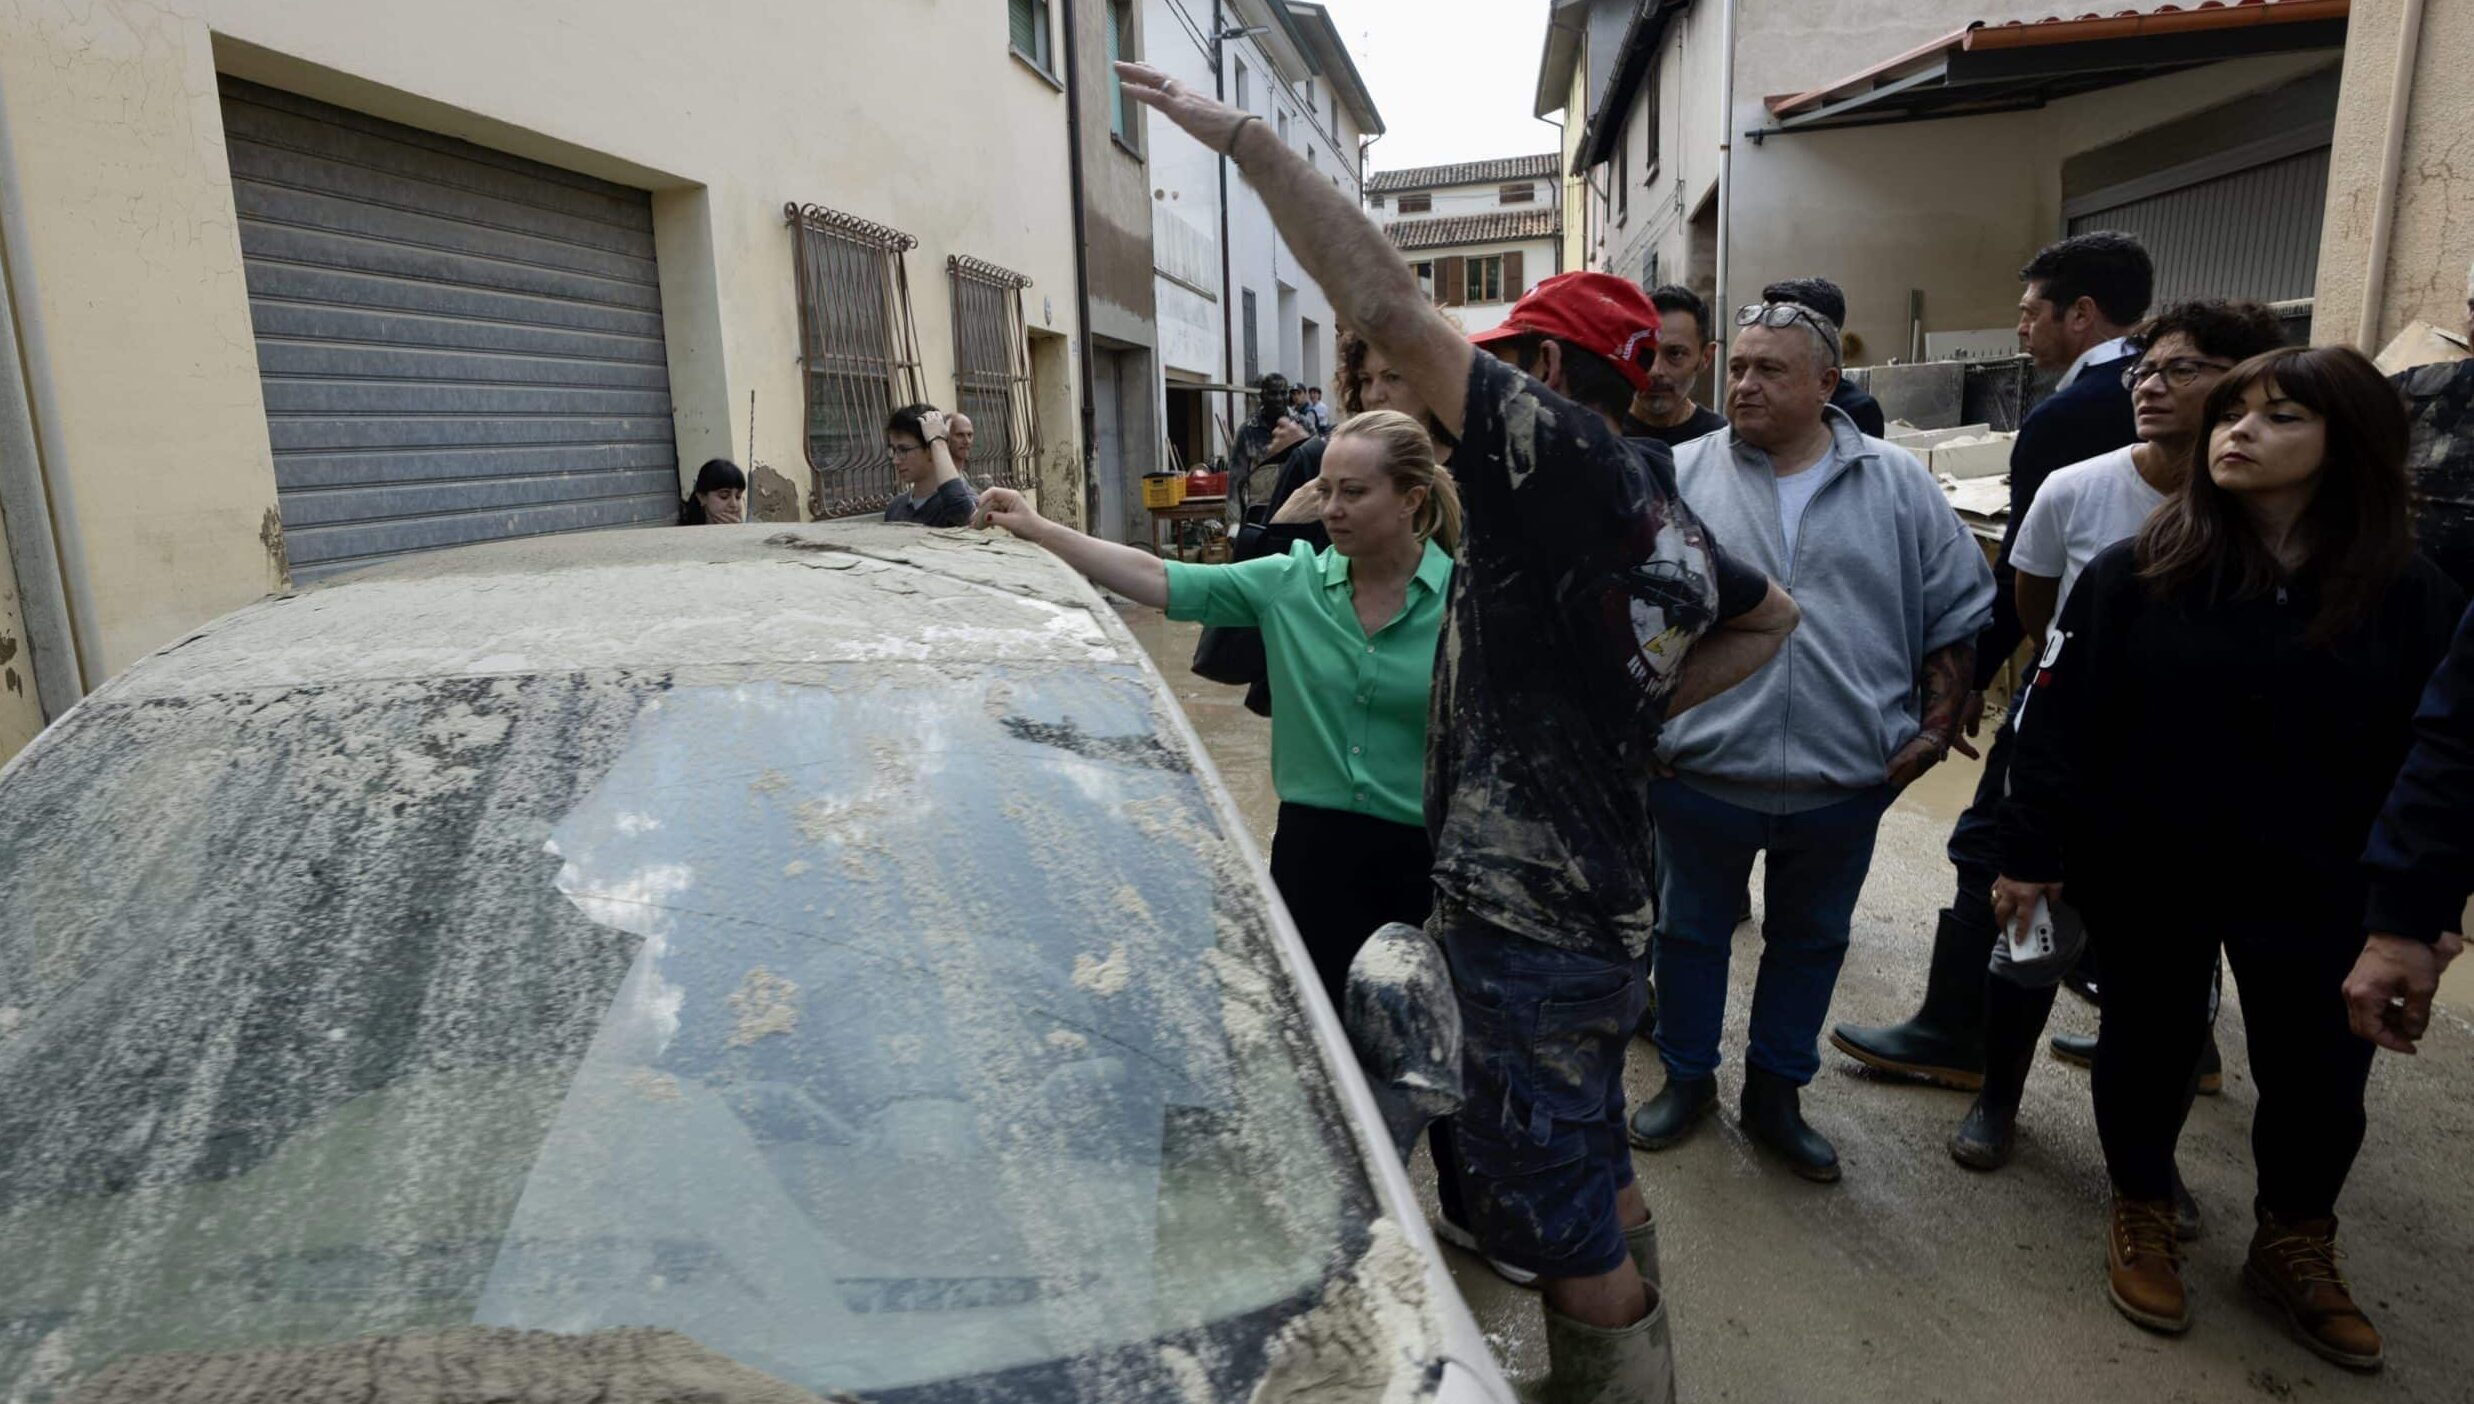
<point x="2211" y="732"/>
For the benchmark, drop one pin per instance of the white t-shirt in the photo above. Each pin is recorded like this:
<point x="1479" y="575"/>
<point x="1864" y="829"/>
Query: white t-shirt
<point x="2081" y="510"/>
<point x="1795" y="493"/>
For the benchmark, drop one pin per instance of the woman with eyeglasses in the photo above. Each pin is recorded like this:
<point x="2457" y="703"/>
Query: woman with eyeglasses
<point x="935" y="492"/>
<point x="2211" y="732"/>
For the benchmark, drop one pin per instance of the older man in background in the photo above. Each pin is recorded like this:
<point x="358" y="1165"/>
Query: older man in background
<point x="1800" y="761"/>
<point x="958" y="435"/>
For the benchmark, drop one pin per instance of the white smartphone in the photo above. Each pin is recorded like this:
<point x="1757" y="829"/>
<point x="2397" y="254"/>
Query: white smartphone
<point x="2039" y="945"/>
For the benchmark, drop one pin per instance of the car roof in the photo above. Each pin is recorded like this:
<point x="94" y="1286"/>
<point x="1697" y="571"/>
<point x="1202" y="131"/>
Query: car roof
<point x="671" y="598"/>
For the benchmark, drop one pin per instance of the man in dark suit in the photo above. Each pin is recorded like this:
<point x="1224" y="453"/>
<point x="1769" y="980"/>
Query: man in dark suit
<point x="1826" y="298"/>
<point x="2083" y="297"/>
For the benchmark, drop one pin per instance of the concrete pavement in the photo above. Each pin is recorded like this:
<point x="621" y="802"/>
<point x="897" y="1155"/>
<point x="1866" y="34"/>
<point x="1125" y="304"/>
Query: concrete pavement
<point x="1915" y="1280"/>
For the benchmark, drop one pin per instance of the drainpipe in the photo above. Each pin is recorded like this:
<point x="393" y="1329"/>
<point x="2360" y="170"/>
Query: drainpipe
<point x="1724" y="312"/>
<point x="1082" y="265"/>
<point x="2392" y="161"/>
<point x="42" y="593"/>
<point x="1228" y="288"/>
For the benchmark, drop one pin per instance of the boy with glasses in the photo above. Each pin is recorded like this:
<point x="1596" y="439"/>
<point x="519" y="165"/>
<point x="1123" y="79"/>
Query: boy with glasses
<point x="937" y="494"/>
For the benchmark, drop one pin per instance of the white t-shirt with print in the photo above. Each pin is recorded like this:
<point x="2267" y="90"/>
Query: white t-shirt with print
<point x="2081" y="510"/>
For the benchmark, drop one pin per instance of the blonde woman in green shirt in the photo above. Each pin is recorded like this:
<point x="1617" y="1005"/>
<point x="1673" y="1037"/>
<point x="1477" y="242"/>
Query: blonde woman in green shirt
<point x="1349" y="636"/>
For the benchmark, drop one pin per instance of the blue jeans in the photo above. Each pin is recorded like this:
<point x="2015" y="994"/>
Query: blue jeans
<point x="1818" y="860"/>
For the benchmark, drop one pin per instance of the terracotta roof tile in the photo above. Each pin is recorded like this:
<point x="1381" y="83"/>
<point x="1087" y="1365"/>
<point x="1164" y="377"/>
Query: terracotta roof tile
<point x="1492" y="227"/>
<point x="1463" y="173"/>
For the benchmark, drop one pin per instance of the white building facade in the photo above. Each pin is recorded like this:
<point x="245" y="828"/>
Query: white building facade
<point x="1232" y="303"/>
<point x="1479" y="233"/>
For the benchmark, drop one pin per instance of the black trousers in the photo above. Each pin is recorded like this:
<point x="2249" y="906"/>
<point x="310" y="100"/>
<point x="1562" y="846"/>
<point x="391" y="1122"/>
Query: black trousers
<point x="2289" y="967"/>
<point x="1343" y="875"/>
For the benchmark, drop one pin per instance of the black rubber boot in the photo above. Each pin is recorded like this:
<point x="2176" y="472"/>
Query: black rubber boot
<point x="1944" y="1043"/>
<point x="1773" y="1115"/>
<point x="2014" y="1019"/>
<point x="1669" y="1117"/>
<point x="2078" y="1050"/>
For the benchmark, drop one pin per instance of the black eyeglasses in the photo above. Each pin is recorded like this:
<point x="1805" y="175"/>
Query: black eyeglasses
<point x="1778" y="316"/>
<point x="2180" y="373"/>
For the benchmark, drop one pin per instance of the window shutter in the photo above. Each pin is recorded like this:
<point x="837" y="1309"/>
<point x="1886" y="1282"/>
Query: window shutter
<point x="1513" y="287"/>
<point x="1449" y="287"/>
<point x="1024" y="36"/>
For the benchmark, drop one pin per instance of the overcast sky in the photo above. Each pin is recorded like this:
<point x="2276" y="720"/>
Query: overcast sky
<point x="1453" y="78"/>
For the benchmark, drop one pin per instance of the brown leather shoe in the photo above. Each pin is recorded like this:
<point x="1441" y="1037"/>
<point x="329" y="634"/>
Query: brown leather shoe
<point x="2143" y="1265"/>
<point x="2293" y="1264"/>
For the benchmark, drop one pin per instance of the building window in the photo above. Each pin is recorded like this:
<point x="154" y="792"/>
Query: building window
<point x="1310" y="162"/>
<point x="1425" y="277"/>
<point x="1310" y="107"/>
<point x="1282" y="114"/>
<point x="1649" y="130"/>
<point x="992" y="371"/>
<point x="1245" y="88"/>
<point x="1029" y="31"/>
<point x="858" y="353"/>
<point x="1516" y="193"/>
<point x="1120" y="47"/>
<point x="1254" y="352"/>
<point x="1622" y="194"/>
<point x="1419" y="203"/>
<point x="1378" y="201"/>
<point x="1482" y="279"/>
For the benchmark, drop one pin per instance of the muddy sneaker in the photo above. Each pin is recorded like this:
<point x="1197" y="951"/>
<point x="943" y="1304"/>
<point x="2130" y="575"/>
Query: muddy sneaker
<point x="2293" y="1266"/>
<point x="1467" y="1242"/>
<point x="2143" y="1265"/>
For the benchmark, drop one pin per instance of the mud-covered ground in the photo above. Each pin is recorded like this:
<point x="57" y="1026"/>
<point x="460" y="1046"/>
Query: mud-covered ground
<point x="1914" y="1280"/>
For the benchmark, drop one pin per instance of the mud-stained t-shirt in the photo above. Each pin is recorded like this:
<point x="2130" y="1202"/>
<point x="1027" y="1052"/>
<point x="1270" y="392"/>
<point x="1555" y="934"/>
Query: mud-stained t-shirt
<point x="1583" y="581"/>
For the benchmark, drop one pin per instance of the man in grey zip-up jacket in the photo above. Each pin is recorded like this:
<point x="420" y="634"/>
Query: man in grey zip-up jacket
<point x="1801" y="759"/>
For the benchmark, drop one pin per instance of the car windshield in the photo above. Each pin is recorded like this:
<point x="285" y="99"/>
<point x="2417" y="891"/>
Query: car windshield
<point x="900" y="1028"/>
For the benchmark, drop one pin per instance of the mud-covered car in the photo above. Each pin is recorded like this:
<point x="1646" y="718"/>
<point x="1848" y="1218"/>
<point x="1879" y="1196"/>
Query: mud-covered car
<point x="739" y="963"/>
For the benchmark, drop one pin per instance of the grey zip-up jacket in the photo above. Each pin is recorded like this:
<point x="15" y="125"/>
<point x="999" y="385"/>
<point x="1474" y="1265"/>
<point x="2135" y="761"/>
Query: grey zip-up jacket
<point x="1885" y="574"/>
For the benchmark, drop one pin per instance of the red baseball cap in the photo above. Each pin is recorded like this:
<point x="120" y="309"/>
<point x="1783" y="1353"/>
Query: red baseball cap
<point x="1597" y="312"/>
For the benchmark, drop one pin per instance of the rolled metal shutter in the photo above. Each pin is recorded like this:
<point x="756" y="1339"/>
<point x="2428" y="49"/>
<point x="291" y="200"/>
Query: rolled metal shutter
<point x="456" y="345"/>
<point x="2253" y="233"/>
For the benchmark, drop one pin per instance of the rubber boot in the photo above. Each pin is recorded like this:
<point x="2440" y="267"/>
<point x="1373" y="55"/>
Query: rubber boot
<point x="1944" y="1043"/>
<point x="1666" y="1119"/>
<point x="1641" y="1241"/>
<point x="1586" y="1364"/>
<point x="2014" y="1020"/>
<point x="1773" y="1115"/>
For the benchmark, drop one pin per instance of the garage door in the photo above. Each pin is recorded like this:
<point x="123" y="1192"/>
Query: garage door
<point x="457" y="345"/>
<point x="2250" y="233"/>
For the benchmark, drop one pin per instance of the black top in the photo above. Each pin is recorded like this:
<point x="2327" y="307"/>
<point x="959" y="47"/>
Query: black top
<point x="2092" y="415"/>
<point x="1582" y="583"/>
<point x="1860" y="407"/>
<point x="1704" y="421"/>
<point x="951" y="505"/>
<point x="2420" y="860"/>
<point x="2181" y="752"/>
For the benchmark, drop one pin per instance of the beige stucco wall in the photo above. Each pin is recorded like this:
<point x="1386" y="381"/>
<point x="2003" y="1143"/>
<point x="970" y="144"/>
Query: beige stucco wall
<point x="1573" y="190"/>
<point x="2433" y="241"/>
<point x="1951" y="207"/>
<point x="116" y="207"/>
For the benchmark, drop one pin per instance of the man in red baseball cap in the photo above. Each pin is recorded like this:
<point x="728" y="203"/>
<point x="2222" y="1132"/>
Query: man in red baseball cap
<point x="1607" y="320"/>
<point x="1586" y="606"/>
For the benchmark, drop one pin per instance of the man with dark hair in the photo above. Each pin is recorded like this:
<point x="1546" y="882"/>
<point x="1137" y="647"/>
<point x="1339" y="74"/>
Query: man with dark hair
<point x="935" y="493"/>
<point x="2083" y="296"/>
<point x="1825" y="297"/>
<point x="1665" y="411"/>
<point x="1264" y="440"/>
<point x="2081" y="510"/>
<point x="2439" y="399"/>
<point x="1587" y="607"/>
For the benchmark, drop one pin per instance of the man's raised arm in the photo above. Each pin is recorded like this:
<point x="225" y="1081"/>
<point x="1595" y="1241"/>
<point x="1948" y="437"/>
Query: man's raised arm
<point x="1370" y="287"/>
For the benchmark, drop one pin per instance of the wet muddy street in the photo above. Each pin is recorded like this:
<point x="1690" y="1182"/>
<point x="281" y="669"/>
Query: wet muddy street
<point x="1916" y="1280"/>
